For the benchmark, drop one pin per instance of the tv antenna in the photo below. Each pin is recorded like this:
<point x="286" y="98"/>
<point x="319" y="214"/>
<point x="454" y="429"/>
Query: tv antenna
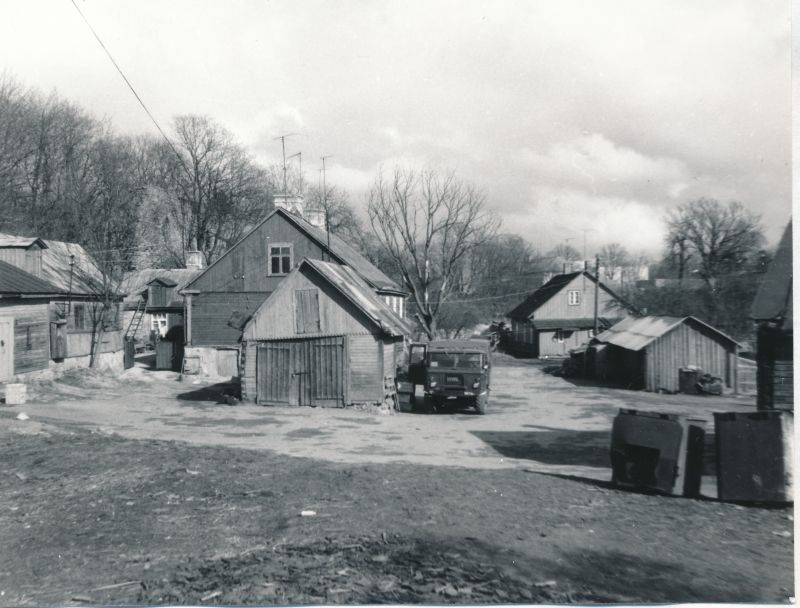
<point x="299" y="156"/>
<point x="325" y="201"/>
<point x="283" y="149"/>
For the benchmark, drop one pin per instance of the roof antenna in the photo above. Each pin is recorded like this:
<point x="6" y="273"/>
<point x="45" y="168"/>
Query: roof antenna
<point x="325" y="203"/>
<point x="283" y="148"/>
<point x="299" y="156"/>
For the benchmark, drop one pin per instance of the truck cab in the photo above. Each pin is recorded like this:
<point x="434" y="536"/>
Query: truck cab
<point x="452" y="370"/>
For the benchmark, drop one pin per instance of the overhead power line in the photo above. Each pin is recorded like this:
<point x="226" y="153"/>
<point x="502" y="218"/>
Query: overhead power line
<point x="133" y="90"/>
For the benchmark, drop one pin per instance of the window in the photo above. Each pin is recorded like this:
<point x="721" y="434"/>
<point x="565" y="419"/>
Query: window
<point x="158" y="323"/>
<point x="280" y="259"/>
<point x="79" y="316"/>
<point x="574" y="297"/>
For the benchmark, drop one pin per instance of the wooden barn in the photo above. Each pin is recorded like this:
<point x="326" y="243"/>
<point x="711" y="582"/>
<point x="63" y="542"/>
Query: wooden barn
<point x="772" y="310"/>
<point x="24" y="323"/>
<point x="648" y="352"/>
<point x="242" y="279"/>
<point x="322" y="338"/>
<point x="559" y="316"/>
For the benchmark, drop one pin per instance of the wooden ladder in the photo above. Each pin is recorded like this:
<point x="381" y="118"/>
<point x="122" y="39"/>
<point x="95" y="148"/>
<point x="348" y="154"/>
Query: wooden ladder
<point x="136" y="319"/>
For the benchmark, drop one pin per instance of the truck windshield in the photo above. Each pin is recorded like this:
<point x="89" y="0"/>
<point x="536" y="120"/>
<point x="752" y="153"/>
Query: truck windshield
<point x="464" y="360"/>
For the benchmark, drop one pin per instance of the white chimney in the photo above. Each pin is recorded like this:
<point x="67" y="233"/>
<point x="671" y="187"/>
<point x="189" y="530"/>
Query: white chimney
<point x="293" y="203"/>
<point x="194" y="260"/>
<point x="315" y="217"/>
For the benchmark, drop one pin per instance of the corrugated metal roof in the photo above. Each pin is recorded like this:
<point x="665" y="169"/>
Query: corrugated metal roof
<point x="8" y="240"/>
<point x="355" y="289"/>
<point x="635" y="333"/>
<point x="137" y="281"/>
<point x="14" y="280"/>
<point x="774" y="298"/>
<point x="84" y="278"/>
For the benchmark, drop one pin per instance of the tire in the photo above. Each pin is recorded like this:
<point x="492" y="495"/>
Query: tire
<point x="481" y="404"/>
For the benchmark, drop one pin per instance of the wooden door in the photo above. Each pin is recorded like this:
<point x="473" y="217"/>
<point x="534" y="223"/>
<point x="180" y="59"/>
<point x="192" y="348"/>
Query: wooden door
<point x="274" y="374"/>
<point x="326" y="367"/>
<point x="6" y="349"/>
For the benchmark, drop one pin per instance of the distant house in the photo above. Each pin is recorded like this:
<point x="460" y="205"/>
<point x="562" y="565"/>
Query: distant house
<point x="772" y="310"/>
<point x="238" y="282"/>
<point x="79" y="322"/>
<point x="648" y="352"/>
<point x="323" y="338"/>
<point x="24" y="323"/>
<point x="559" y="315"/>
<point x="156" y="294"/>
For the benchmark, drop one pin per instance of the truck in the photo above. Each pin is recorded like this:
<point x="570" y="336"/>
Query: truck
<point x="452" y="371"/>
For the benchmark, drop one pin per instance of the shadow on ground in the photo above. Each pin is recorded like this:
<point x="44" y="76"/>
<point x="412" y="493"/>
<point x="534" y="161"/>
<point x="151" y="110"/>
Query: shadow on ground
<point x="551" y="446"/>
<point x="220" y="393"/>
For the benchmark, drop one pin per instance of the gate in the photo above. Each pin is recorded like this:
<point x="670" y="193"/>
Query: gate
<point x="301" y="372"/>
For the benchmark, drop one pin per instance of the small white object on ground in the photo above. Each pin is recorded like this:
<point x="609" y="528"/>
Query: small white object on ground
<point x="307" y="513"/>
<point x="23" y="416"/>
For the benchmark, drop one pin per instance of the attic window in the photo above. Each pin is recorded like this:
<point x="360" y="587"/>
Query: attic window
<point x="573" y="297"/>
<point x="280" y="259"/>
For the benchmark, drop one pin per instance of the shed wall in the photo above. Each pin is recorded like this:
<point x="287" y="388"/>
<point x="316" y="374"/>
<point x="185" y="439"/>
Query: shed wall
<point x="31" y="335"/>
<point x="366" y="372"/>
<point x="683" y="346"/>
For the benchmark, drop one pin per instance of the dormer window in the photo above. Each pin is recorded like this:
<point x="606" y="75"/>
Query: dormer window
<point x="280" y="259"/>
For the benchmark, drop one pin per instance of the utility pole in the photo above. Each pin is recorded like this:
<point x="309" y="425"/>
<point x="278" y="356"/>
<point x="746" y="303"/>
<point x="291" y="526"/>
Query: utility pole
<point x="596" y="291"/>
<point x="325" y="202"/>
<point x="69" y="292"/>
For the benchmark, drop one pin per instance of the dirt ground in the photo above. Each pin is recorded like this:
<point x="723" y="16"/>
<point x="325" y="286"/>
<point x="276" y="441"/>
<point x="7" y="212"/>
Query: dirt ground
<point x="148" y="490"/>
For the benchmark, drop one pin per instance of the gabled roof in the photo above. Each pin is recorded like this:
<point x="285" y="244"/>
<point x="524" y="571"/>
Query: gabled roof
<point x="359" y="293"/>
<point x="539" y="297"/>
<point x="635" y="333"/>
<point x="773" y="302"/>
<point x="82" y="278"/>
<point x="23" y="242"/>
<point x="137" y="281"/>
<point x="15" y="281"/>
<point x="339" y="249"/>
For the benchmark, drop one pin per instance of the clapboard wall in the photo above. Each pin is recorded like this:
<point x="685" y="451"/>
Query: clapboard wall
<point x="31" y="334"/>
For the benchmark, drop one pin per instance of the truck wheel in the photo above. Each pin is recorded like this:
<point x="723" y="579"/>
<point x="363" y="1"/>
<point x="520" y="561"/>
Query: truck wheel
<point x="481" y="404"/>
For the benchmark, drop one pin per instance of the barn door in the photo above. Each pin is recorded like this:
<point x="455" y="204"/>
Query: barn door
<point x="6" y="349"/>
<point x="274" y="374"/>
<point x="327" y="371"/>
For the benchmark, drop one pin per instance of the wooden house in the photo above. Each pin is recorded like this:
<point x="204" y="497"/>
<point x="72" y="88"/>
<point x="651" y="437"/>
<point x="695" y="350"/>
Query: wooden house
<point x="323" y="338"/>
<point x="156" y="294"/>
<point x="559" y="316"/>
<point x="24" y="323"/>
<point x="772" y="310"/>
<point x="648" y="352"/>
<point x="75" y="316"/>
<point x="237" y="283"/>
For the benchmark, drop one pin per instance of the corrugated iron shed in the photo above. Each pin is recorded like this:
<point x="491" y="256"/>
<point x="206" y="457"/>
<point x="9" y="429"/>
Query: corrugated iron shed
<point x="635" y="333"/>
<point x="16" y="281"/>
<point x="355" y="289"/>
<point x="773" y="301"/>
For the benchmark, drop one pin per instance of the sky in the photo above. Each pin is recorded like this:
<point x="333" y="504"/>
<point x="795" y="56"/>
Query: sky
<point x="581" y="120"/>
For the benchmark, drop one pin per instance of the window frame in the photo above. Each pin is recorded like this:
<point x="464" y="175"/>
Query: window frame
<point x="576" y="301"/>
<point x="75" y="308"/>
<point x="280" y="256"/>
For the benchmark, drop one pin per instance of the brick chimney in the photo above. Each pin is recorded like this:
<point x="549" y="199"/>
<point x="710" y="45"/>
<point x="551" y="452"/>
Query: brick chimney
<point x="291" y="202"/>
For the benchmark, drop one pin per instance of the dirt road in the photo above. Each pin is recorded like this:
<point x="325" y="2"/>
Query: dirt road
<point x="143" y="494"/>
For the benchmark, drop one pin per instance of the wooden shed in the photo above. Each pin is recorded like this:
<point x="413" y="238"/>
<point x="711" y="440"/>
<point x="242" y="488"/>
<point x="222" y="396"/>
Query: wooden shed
<point x="648" y="352"/>
<point x="322" y="338"/>
<point x="772" y="309"/>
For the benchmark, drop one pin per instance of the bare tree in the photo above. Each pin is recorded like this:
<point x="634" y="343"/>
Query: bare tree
<point x="214" y="191"/>
<point x="340" y="215"/>
<point x="428" y="221"/>
<point x="613" y="255"/>
<point x="720" y="238"/>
